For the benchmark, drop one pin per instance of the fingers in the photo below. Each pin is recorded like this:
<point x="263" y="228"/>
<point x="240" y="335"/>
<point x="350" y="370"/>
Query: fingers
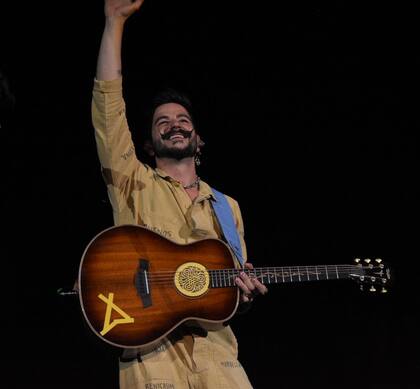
<point x="244" y="288"/>
<point x="122" y="8"/>
<point x="250" y="286"/>
<point x="255" y="281"/>
<point x="130" y="9"/>
<point x="137" y="4"/>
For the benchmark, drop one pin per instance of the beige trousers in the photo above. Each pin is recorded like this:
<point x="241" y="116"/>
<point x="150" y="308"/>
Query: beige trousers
<point x="194" y="362"/>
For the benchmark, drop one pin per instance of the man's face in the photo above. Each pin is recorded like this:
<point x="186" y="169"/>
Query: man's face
<point x="173" y="135"/>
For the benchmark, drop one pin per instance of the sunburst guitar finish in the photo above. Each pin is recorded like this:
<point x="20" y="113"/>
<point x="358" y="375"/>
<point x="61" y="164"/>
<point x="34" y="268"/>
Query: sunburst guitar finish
<point x="137" y="286"/>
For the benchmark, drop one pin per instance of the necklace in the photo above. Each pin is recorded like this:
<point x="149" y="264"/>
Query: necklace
<point x="193" y="184"/>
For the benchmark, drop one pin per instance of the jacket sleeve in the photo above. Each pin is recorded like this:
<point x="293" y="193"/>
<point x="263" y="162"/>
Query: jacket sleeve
<point x="114" y="143"/>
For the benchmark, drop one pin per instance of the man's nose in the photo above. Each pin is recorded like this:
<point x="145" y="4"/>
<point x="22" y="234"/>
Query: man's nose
<point x="171" y="124"/>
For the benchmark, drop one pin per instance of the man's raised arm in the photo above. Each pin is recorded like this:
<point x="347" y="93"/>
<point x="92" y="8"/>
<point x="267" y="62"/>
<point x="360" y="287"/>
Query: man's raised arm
<point x="109" y="58"/>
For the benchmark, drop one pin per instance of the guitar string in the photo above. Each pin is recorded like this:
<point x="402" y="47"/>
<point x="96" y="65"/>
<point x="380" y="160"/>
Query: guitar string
<point x="284" y="277"/>
<point x="280" y="276"/>
<point x="330" y="268"/>
<point x="287" y="277"/>
<point x="229" y="280"/>
<point x="262" y="274"/>
<point x="302" y="266"/>
<point x="285" y="270"/>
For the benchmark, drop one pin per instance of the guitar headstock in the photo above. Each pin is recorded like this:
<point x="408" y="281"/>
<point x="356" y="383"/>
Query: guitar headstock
<point x="372" y="274"/>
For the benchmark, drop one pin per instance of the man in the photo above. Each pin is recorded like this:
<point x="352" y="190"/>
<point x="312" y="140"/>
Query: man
<point x="171" y="200"/>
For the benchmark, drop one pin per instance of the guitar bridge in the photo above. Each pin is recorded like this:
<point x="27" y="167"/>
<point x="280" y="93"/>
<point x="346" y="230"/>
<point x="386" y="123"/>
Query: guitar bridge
<point x="142" y="283"/>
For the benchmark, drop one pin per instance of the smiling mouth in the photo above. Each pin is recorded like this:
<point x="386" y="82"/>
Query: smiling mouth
<point x="176" y="133"/>
<point x="177" y="137"/>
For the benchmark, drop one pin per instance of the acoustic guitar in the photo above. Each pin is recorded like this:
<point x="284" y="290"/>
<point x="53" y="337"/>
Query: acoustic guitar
<point x="136" y="286"/>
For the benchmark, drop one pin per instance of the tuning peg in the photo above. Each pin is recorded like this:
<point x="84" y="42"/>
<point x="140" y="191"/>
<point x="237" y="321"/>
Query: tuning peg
<point x="367" y="260"/>
<point x="378" y="260"/>
<point x="372" y="289"/>
<point x="383" y="290"/>
<point x="356" y="260"/>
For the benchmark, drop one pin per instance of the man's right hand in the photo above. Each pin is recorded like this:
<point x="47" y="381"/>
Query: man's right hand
<point x="121" y="8"/>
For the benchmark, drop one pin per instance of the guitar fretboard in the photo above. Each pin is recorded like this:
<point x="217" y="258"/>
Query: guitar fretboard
<point x="273" y="275"/>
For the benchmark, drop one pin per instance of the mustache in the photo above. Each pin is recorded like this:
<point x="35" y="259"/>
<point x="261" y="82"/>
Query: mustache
<point x="176" y="131"/>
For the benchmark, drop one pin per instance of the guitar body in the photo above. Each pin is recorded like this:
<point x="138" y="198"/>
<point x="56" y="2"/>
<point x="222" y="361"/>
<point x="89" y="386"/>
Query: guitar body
<point x="136" y="286"/>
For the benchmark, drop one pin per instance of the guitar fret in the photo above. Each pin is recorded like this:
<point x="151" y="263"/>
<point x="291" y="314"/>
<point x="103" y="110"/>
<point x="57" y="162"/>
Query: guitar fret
<point x="336" y="272"/>
<point x="299" y="273"/>
<point x="290" y="274"/>
<point x="307" y="273"/>
<point x="326" y="272"/>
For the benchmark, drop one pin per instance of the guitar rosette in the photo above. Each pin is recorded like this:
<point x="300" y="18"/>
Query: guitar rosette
<point x="192" y="279"/>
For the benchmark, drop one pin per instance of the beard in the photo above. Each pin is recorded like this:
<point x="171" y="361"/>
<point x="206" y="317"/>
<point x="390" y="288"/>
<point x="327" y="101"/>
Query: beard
<point x="163" y="151"/>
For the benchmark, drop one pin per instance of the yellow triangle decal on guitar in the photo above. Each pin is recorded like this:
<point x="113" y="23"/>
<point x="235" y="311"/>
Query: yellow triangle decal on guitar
<point x="108" y="326"/>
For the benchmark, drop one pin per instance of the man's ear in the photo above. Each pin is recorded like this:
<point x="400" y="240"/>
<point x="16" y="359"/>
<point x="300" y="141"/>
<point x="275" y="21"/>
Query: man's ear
<point x="148" y="147"/>
<point x="200" y="143"/>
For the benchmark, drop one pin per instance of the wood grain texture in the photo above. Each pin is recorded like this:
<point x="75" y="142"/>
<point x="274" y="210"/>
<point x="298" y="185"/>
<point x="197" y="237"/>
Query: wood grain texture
<point x="110" y="264"/>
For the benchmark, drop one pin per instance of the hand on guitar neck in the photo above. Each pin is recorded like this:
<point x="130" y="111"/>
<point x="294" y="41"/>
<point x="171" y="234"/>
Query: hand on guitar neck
<point x="250" y="286"/>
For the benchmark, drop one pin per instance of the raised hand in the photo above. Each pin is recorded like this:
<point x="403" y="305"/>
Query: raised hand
<point x="121" y="8"/>
<point x="109" y="58"/>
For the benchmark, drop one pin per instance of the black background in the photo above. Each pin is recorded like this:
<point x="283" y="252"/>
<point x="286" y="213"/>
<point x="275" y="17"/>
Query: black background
<point x="309" y="112"/>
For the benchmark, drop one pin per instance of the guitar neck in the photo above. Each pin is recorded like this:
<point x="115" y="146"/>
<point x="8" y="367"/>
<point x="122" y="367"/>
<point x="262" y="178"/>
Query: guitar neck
<point x="277" y="275"/>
